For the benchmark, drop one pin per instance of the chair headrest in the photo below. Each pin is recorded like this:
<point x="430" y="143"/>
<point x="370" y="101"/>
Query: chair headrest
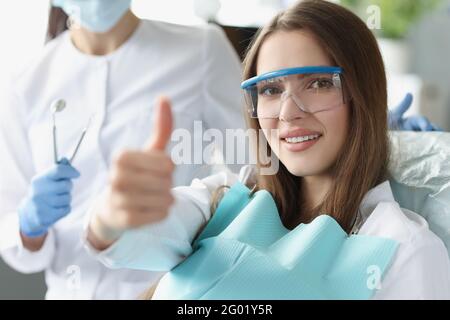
<point x="420" y="177"/>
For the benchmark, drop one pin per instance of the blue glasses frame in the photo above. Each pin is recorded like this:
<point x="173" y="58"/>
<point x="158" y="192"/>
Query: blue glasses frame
<point x="290" y="71"/>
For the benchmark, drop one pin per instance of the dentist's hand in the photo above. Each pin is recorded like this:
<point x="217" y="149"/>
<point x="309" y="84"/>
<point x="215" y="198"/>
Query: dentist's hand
<point x="140" y="187"/>
<point x="397" y="121"/>
<point x="48" y="200"/>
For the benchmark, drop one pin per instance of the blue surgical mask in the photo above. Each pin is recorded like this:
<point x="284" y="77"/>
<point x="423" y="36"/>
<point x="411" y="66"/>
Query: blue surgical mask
<point x="95" y="15"/>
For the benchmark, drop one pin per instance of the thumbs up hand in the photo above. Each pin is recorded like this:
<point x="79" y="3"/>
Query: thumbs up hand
<point x="140" y="185"/>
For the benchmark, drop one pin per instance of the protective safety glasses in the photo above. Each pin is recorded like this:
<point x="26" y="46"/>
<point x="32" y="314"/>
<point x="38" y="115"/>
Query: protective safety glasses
<point x="312" y="89"/>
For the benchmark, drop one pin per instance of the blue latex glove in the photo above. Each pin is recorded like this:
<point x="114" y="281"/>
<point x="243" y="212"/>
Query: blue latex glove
<point x="48" y="199"/>
<point x="397" y="121"/>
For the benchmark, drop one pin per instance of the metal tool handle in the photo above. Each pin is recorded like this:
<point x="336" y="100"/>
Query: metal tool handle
<point x="55" y="143"/>
<point x="83" y="134"/>
<point x="78" y="145"/>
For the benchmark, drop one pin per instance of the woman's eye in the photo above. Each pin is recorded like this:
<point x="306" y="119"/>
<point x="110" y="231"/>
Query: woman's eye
<point x="321" y="84"/>
<point x="269" y="91"/>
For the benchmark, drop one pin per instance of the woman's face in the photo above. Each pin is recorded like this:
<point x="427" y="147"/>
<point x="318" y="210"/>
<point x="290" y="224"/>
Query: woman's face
<point x="289" y="49"/>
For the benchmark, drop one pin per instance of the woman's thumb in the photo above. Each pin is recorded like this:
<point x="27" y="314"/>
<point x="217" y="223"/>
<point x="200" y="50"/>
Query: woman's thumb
<point x="162" y="125"/>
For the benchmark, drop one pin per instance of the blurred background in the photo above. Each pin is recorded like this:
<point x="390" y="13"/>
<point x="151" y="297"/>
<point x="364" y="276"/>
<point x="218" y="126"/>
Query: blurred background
<point x="414" y="36"/>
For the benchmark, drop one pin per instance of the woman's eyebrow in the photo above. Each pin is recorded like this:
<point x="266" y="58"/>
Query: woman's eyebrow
<point x="313" y="75"/>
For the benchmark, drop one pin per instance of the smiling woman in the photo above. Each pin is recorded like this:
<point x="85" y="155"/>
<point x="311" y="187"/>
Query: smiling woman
<point x="336" y="159"/>
<point x="326" y="225"/>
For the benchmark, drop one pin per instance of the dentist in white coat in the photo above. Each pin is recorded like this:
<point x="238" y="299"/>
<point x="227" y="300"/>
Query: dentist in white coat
<point x="109" y="70"/>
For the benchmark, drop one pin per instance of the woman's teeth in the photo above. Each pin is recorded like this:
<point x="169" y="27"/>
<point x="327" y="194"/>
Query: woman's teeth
<point x="302" y="139"/>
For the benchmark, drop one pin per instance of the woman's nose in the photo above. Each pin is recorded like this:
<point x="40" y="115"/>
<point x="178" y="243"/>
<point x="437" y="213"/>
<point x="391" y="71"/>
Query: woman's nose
<point x="290" y="110"/>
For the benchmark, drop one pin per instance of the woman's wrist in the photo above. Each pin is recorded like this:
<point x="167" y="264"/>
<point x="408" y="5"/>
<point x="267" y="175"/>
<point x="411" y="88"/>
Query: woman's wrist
<point x="100" y="235"/>
<point x="33" y="244"/>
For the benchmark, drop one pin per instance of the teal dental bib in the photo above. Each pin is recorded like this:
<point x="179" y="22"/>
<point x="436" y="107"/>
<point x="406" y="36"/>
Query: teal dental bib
<point x="245" y="252"/>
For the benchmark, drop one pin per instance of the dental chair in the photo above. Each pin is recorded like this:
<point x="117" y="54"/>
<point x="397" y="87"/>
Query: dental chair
<point x="420" y="177"/>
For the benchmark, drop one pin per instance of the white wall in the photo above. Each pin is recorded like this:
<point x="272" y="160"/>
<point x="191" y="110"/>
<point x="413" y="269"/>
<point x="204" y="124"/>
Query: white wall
<point x="174" y="11"/>
<point x="23" y="25"/>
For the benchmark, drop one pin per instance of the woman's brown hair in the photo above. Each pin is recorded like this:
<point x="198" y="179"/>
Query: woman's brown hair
<point x="57" y="23"/>
<point x="362" y="163"/>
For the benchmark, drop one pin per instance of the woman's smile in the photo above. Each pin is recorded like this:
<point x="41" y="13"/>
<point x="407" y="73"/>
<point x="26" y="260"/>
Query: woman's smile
<point x="297" y="139"/>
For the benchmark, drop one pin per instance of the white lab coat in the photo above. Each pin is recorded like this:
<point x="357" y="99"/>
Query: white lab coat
<point x="420" y="268"/>
<point x="195" y="66"/>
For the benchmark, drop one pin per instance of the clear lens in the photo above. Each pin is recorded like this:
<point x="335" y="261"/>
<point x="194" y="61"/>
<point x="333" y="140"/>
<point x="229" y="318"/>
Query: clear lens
<point x="312" y="93"/>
